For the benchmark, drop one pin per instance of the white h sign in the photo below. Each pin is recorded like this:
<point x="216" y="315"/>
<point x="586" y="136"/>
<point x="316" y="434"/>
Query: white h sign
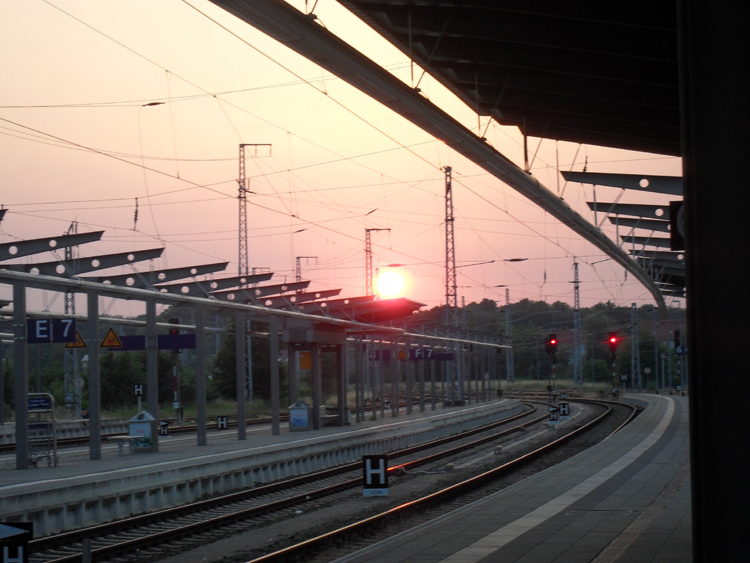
<point x="375" y="475"/>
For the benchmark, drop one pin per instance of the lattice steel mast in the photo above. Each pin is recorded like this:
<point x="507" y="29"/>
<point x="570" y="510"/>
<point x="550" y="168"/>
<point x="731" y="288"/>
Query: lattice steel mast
<point x="369" y="289"/>
<point x="451" y="292"/>
<point x="243" y="261"/>
<point x="72" y="392"/>
<point x="298" y="266"/>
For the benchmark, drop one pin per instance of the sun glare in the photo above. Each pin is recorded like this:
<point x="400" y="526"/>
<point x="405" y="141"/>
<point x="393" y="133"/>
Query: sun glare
<point x="390" y="284"/>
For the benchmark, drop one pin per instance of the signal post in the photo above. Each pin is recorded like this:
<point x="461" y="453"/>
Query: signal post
<point x="613" y="342"/>
<point x="550" y="346"/>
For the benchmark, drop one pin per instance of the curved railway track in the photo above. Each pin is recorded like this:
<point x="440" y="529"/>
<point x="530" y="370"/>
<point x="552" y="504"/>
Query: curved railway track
<point x="210" y="519"/>
<point x="327" y="546"/>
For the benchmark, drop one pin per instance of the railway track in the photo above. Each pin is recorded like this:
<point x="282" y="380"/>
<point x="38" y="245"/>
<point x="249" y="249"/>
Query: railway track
<point x="350" y="538"/>
<point x="266" y="502"/>
<point x="208" y="520"/>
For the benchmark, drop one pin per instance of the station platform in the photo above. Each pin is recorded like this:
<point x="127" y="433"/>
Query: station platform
<point x="81" y="492"/>
<point x="626" y="499"/>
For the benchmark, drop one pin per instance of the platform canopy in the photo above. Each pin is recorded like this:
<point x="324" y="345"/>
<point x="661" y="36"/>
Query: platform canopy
<point x="597" y="73"/>
<point x="375" y="311"/>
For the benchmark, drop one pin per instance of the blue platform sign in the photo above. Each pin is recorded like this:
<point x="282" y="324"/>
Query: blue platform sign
<point x="376" y="355"/>
<point x="46" y="331"/>
<point x="164" y="342"/>
<point x="40" y="404"/>
<point x="430" y="354"/>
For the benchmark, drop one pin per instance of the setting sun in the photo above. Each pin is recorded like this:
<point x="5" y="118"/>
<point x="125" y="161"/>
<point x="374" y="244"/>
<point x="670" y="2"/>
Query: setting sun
<point x="390" y="284"/>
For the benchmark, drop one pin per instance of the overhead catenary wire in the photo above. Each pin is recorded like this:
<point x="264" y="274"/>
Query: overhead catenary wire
<point x="297" y="206"/>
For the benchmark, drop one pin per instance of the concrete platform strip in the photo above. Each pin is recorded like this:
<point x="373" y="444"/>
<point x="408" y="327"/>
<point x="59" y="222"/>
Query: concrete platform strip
<point x="494" y="541"/>
<point x="80" y="500"/>
<point x="621" y="543"/>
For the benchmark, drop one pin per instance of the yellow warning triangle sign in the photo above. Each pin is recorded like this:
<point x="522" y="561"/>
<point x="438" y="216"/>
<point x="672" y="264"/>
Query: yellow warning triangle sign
<point x="402" y="355"/>
<point x="79" y="343"/>
<point x="111" y="340"/>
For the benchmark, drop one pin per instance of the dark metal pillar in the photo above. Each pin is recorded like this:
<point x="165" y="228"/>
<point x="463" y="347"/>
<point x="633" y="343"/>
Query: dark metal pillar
<point x="421" y="367"/>
<point x="2" y="383"/>
<point x="95" y="412"/>
<point x="200" y="373"/>
<point x="381" y="377"/>
<point x="394" y="379"/>
<point x="239" y="368"/>
<point x="359" y="360"/>
<point x="273" y="335"/>
<point x="714" y="47"/>
<point x="294" y="368"/>
<point x="152" y="353"/>
<point x="433" y="389"/>
<point x="316" y="384"/>
<point x="409" y="377"/>
<point x="21" y="368"/>
<point x="341" y="386"/>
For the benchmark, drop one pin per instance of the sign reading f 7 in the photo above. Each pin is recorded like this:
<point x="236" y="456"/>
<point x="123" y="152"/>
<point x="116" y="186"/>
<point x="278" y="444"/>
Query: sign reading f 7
<point x="45" y="331"/>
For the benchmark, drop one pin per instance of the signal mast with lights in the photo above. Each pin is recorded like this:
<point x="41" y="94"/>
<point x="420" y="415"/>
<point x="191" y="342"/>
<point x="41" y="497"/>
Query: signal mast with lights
<point x="550" y="346"/>
<point x="613" y="341"/>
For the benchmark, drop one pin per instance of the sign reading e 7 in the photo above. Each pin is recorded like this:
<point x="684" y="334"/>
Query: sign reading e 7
<point x="44" y="331"/>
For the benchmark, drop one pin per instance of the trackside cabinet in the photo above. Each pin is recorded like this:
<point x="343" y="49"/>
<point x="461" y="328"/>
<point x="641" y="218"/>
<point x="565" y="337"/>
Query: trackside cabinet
<point x="300" y="416"/>
<point x="145" y="428"/>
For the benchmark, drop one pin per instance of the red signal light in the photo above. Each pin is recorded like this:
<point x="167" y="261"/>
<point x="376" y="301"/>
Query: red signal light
<point x="551" y="345"/>
<point x="613" y="341"/>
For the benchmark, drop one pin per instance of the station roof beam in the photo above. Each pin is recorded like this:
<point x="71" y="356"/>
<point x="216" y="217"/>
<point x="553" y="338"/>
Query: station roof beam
<point x="632" y="209"/>
<point x="647" y="241"/>
<point x="649" y="224"/>
<point x="10" y="250"/>
<point x="671" y="185"/>
<point x="207" y="287"/>
<point x="255" y="294"/>
<point x="295" y="300"/>
<point x="153" y="277"/>
<point x="69" y="268"/>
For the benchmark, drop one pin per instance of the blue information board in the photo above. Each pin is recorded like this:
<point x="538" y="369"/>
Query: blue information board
<point x="46" y="331"/>
<point x="40" y="404"/>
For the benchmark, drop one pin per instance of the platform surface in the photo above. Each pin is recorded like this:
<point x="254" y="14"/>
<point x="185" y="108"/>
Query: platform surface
<point x="626" y="500"/>
<point x="75" y="467"/>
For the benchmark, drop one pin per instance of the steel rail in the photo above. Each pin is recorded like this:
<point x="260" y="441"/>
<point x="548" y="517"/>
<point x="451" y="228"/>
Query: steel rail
<point x="289" y="553"/>
<point x="74" y="536"/>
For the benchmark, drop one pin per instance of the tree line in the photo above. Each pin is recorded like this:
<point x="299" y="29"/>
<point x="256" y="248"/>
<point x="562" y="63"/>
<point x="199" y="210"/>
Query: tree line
<point x="531" y="321"/>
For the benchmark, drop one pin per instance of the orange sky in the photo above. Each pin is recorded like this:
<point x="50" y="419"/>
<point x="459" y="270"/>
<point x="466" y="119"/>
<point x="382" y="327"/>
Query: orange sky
<point x="78" y="143"/>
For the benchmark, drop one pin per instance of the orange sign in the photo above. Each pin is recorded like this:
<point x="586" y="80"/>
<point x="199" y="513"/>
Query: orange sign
<point x="305" y="360"/>
<point x="79" y="343"/>
<point x="111" y="340"/>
